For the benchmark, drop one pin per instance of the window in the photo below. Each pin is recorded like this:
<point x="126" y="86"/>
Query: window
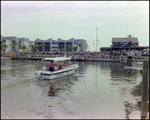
<point x="54" y="43"/>
<point x="75" y="42"/>
<point x="61" y="43"/>
<point x="69" y="43"/>
<point x="115" y="43"/>
<point x="54" y="47"/>
<point x="47" y="43"/>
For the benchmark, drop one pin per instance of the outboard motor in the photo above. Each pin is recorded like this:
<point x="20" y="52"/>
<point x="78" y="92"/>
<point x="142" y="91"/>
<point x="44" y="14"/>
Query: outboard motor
<point x="38" y="75"/>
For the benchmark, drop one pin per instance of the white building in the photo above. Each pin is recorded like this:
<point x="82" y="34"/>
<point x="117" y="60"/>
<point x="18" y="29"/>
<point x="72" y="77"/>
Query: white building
<point x="50" y="44"/>
<point x="12" y="40"/>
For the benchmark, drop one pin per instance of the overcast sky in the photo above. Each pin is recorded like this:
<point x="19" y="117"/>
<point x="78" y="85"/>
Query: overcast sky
<point x="76" y="19"/>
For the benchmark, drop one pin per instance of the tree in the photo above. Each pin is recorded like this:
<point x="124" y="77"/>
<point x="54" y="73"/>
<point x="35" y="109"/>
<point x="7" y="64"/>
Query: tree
<point x="13" y="47"/>
<point x="111" y="45"/>
<point x="63" y="49"/>
<point x="79" y="44"/>
<point x="2" y="45"/>
<point x="38" y="47"/>
<point x="5" y="46"/>
<point x="75" y="48"/>
<point x="81" y="50"/>
<point x="32" y="47"/>
<point x="24" y="48"/>
<point x="70" y="48"/>
<point x="129" y="36"/>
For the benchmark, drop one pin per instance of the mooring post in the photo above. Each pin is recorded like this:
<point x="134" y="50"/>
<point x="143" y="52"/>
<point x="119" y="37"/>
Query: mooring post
<point x="145" y="90"/>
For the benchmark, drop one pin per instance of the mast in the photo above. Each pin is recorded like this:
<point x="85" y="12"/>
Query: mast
<point x="96" y="39"/>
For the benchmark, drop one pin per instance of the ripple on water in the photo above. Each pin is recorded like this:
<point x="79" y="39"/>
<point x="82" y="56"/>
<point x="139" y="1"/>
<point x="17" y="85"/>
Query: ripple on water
<point x="89" y="94"/>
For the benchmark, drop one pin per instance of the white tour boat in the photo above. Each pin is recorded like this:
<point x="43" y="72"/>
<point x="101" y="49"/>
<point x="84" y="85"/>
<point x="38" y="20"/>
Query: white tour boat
<point x="49" y="75"/>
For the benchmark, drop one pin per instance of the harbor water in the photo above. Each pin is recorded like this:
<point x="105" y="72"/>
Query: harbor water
<point x="97" y="90"/>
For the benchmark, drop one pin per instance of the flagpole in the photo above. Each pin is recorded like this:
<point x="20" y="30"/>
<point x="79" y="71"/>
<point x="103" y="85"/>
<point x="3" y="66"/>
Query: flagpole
<point x="96" y="39"/>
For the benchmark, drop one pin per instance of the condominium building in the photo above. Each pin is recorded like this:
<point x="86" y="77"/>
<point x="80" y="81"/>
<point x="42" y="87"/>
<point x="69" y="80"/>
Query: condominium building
<point x="51" y="45"/>
<point x="14" y="39"/>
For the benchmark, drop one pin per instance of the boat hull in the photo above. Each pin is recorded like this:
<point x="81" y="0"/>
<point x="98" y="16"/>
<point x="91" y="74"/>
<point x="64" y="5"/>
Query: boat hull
<point x="47" y="75"/>
<point x="57" y="75"/>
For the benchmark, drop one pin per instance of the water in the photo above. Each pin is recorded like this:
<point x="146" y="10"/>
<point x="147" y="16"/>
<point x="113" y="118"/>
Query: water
<point x="97" y="90"/>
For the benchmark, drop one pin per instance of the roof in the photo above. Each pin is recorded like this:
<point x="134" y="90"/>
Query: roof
<point x="134" y="40"/>
<point x="130" y="42"/>
<point x="105" y="48"/>
<point x="56" y="59"/>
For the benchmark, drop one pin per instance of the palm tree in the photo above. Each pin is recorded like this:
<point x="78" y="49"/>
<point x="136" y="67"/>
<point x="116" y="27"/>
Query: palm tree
<point x="70" y="48"/>
<point x="81" y="50"/>
<point x="2" y="46"/>
<point x="38" y="46"/>
<point x="24" y="48"/>
<point x="63" y="49"/>
<point x="79" y="44"/>
<point x="32" y="48"/>
<point x="75" y="48"/>
<point x="13" y="47"/>
<point x="5" y="47"/>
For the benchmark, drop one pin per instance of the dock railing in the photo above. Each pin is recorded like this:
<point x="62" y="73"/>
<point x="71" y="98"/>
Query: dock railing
<point x="145" y="90"/>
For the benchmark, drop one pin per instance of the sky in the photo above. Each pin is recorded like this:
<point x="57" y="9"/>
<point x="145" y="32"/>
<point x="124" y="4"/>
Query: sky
<point x="76" y="19"/>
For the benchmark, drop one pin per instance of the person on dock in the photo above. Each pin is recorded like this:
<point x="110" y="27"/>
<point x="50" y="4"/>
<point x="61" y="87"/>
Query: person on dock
<point x="129" y="57"/>
<point x="51" y="66"/>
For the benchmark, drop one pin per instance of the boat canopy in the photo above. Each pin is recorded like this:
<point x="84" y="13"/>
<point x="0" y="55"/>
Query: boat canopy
<point x="56" y="59"/>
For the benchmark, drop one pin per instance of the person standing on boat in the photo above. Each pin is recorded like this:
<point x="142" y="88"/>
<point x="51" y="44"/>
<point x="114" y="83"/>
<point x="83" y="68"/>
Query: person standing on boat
<point x="51" y="66"/>
<point x="129" y="57"/>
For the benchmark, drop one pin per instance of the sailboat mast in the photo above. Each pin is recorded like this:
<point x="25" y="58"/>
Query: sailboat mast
<point x="96" y="39"/>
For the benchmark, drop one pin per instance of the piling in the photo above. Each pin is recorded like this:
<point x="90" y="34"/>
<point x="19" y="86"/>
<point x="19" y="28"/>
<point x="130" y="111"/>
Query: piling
<point x="145" y="90"/>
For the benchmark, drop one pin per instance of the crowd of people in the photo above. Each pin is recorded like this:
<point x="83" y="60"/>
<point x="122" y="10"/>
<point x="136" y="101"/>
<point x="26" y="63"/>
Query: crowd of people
<point x="115" y="54"/>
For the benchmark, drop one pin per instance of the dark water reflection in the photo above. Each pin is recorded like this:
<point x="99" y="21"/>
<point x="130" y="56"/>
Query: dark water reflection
<point x="97" y="90"/>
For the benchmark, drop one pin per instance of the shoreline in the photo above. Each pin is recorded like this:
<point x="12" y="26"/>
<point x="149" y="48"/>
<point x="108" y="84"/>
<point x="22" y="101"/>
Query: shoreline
<point x="74" y="59"/>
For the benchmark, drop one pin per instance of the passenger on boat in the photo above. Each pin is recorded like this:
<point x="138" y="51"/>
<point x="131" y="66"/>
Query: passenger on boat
<point x="64" y="64"/>
<point x="55" y="68"/>
<point x="44" y="68"/>
<point x="60" y="67"/>
<point x="51" y="66"/>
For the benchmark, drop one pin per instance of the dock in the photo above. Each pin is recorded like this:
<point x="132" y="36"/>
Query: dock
<point x="75" y="59"/>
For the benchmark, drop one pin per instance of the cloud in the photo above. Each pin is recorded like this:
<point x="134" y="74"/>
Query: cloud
<point x="65" y="19"/>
